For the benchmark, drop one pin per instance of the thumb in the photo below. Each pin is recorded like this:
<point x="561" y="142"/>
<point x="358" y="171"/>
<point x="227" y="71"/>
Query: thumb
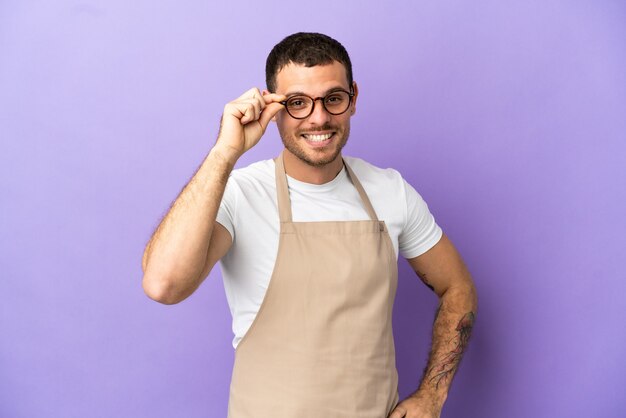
<point x="268" y="113"/>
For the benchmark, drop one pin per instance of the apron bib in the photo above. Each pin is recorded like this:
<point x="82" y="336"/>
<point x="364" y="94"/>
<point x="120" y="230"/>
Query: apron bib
<point x="321" y="345"/>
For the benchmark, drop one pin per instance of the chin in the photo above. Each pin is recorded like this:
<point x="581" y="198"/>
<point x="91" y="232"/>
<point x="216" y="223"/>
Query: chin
<point x="315" y="158"/>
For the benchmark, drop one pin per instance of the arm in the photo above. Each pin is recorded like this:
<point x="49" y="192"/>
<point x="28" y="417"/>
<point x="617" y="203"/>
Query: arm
<point x="442" y="270"/>
<point x="188" y="242"/>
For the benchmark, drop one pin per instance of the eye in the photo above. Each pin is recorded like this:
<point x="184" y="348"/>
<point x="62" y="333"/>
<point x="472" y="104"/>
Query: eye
<point x="335" y="98"/>
<point x="297" y="102"/>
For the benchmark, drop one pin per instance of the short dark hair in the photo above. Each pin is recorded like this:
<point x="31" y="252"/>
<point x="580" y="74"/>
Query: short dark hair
<point x="306" y="48"/>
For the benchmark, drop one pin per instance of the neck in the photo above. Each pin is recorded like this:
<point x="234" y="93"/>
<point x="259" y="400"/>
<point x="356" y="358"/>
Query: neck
<point x="301" y="171"/>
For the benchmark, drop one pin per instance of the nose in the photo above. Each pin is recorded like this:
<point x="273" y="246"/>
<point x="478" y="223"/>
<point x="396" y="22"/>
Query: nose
<point x="319" y="116"/>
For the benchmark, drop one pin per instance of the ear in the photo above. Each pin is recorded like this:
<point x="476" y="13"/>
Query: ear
<point x="355" y="89"/>
<point x="264" y="92"/>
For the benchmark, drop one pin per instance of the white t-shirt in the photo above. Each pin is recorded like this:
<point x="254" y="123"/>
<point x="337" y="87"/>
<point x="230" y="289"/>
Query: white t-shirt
<point x="249" y="211"/>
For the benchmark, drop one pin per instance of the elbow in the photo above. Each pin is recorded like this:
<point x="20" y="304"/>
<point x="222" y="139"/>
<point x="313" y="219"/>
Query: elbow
<point x="472" y="295"/>
<point x="462" y="295"/>
<point x="161" y="290"/>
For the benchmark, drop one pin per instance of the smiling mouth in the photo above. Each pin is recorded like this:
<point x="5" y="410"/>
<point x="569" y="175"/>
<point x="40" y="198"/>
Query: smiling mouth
<point x="318" y="137"/>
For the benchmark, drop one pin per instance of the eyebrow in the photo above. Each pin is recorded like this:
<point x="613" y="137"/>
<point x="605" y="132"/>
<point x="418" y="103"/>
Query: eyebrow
<point x="330" y="90"/>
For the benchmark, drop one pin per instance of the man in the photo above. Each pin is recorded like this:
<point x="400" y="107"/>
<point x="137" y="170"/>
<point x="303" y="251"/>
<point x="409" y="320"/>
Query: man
<point x="308" y="245"/>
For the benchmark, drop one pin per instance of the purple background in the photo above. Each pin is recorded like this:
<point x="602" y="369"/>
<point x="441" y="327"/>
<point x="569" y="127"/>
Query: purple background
<point x="508" y="117"/>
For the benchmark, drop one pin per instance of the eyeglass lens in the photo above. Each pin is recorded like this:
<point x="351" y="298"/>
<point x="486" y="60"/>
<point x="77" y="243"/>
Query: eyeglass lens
<point x="301" y="107"/>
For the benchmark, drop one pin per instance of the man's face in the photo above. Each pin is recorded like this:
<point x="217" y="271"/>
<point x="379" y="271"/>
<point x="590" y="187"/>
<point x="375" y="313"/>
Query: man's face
<point x="318" y="139"/>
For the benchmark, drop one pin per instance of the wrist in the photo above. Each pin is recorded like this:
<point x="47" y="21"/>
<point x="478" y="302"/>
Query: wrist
<point x="434" y="398"/>
<point x="226" y="153"/>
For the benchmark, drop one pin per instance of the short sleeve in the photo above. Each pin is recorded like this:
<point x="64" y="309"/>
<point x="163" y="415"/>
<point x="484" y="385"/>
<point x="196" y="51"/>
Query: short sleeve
<point x="421" y="232"/>
<point x="226" y="212"/>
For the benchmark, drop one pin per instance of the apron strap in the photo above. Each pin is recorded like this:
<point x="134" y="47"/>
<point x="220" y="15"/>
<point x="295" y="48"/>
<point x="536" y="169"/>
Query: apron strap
<point x="282" y="191"/>
<point x="366" y="200"/>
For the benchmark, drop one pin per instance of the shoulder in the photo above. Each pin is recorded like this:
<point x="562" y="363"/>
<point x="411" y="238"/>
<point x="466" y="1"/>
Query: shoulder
<point x="254" y="179"/>
<point x="258" y="172"/>
<point x="250" y="194"/>
<point x="375" y="176"/>
<point x="384" y="186"/>
<point x="252" y="183"/>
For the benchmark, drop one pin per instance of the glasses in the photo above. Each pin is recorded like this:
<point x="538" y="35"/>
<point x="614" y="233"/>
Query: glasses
<point x="301" y="106"/>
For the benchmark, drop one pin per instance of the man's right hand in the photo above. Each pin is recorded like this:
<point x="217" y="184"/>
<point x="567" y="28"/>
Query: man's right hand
<point x="245" y="119"/>
<point x="188" y="241"/>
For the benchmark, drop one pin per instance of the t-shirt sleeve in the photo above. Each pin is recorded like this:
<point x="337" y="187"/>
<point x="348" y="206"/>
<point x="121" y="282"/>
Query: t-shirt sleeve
<point x="226" y="211"/>
<point x="421" y="232"/>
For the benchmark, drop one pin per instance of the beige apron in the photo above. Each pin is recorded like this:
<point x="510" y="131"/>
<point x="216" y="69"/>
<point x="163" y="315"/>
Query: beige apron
<point x="321" y="345"/>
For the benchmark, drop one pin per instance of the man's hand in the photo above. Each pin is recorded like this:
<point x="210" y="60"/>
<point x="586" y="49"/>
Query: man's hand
<point x="417" y="406"/>
<point x="245" y="119"/>
<point x="443" y="271"/>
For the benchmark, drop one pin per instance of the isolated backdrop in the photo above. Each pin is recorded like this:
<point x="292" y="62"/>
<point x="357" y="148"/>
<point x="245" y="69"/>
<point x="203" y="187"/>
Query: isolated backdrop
<point x="508" y="117"/>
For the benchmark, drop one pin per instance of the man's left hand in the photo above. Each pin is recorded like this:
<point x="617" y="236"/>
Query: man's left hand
<point x="416" y="407"/>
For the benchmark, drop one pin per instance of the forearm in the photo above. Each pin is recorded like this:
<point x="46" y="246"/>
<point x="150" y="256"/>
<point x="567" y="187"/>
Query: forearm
<point x="451" y="332"/>
<point x="176" y="254"/>
<point x="180" y="253"/>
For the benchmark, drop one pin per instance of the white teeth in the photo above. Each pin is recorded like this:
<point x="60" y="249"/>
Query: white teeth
<point x="318" y="138"/>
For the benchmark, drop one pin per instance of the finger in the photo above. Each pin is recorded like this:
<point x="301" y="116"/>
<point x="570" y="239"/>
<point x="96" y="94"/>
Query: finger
<point x="273" y="98"/>
<point x="399" y="412"/>
<point x="247" y="115"/>
<point x="268" y="113"/>
<point x="245" y="112"/>
<point x="258" y="104"/>
<point x="238" y="104"/>
<point x="253" y="104"/>
<point x="253" y="92"/>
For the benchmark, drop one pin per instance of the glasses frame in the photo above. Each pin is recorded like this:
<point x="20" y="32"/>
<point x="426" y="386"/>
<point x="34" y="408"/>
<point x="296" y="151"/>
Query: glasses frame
<point x="323" y="99"/>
